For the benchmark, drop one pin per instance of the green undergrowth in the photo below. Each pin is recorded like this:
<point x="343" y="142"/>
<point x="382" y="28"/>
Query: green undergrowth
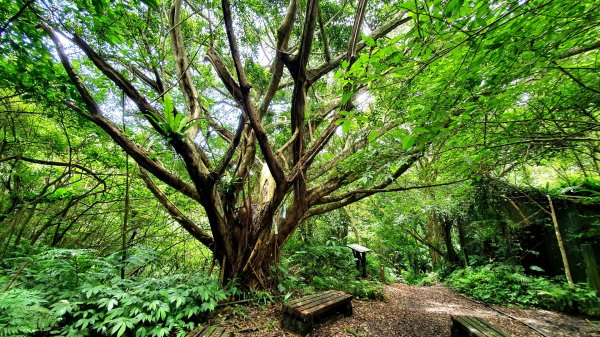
<point x="317" y="268"/>
<point x="419" y="278"/>
<point x="508" y="284"/>
<point x="73" y="293"/>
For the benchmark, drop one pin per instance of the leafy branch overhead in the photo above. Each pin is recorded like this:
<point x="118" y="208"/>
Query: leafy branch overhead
<point x="308" y="106"/>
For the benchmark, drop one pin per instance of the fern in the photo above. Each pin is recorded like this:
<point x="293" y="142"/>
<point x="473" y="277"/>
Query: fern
<point x="21" y="312"/>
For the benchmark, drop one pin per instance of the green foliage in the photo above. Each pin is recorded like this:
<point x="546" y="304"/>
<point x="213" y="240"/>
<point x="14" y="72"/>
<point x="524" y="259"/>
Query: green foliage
<point x="146" y="307"/>
<point x="22" y="312"/>
<point x="508" y="284"/>
<point x="175" y="124"/>
<point x="329" y="267"/>
<point x="415" y="277"/>
<point x="82" y="295"/>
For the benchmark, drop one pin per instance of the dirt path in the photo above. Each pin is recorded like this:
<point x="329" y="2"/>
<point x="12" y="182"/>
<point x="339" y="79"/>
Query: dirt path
<point x="418" y="311"/>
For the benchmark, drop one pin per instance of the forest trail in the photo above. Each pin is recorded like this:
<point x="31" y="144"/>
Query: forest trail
<point x="419" y="311"/>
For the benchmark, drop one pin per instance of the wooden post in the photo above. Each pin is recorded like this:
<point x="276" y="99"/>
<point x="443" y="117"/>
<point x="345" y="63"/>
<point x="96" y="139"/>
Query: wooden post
<point x="591" y="267"/>
<point x="364" y="264"/>
<point x="561" y="244"/>
<point x="360" y="255"/>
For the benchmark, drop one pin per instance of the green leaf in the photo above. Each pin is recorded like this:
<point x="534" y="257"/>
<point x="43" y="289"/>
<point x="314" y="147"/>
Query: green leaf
<point x="168" y="106"/>
<point x="372" y="136"/>
<point x="151" y="3"/>
<point x="346" y="97"/>
<point x="369" y="41"/>
<point x="537" y="268"/>
<point x="408" y="141"/>
<point x="98" y="6"/>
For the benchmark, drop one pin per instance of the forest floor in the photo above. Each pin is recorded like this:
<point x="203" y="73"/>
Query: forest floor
<point x="410" y="311"/>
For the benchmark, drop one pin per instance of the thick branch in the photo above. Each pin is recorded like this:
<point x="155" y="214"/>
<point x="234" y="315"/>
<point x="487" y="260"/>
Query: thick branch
<point x="324" y="37"/>
<point x="580" y="50"/>
<point x="356" y="195"/>
<point x="299" y="73"/>
<point x="176" y="213"/>
<point x="245" y="87"/>
<point x="348" y="150"/>
<point x="87" y="98"/>
<point x="186" y="83"/>
<point x="326" y="200"/>
<point x="231" y="149"/>
<point x="225" y="76"/>
<point x="195" y="160"/>
<point x="138" y="154"/>
<point x="283" y="37"/>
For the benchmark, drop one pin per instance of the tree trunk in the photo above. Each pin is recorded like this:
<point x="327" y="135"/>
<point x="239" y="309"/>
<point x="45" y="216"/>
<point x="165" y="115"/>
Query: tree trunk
<point x="462" y="239"/>
<point x="446" y="224"/>
<point x="434" y="236"/>
<point x="251" y="267"/>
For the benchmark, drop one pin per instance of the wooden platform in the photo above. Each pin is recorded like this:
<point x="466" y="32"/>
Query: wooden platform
<point x="210" y="331"/>
<point x="465" y="326"/>
<point x="300" y="315"/>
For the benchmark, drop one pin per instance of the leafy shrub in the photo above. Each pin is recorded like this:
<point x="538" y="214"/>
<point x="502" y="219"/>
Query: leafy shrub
<point x="328" y="267"/>
<point x="414" y="277"/>
<point x="503" y="283"/>
<point x="77" y="294"/>
<point x="148" y="307"/>
<point x="22" y="312"/>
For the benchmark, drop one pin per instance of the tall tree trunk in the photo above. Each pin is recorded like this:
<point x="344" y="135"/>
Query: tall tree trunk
<point x="451" y="254"/>
<point x="434" y="237"/>
<point x="462" y="239"/>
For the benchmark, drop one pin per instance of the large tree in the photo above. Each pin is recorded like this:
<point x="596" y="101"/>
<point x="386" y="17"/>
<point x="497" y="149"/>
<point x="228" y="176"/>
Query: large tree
<point x="278" y="111"/>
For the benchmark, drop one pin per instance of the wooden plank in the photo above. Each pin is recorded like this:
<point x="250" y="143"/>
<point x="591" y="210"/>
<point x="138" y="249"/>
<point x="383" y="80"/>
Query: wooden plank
<point x="217" y="332"/>
<point x="303" y="298"/>
<point x="298" y="308"/>
<point x="477" y="327"/>
<point x="194" y="333"/>
<point x="307" y="301"/>
<point x="496" y="331"/>
<point x="322" y="307"/>
<point x="309" y="297"/>
<point x="206" y="332"/>
<point x="315" y="301"/>
<point x="307" y="308"/>
<point x="358" y="248"/>
<point x="299" y="316"/>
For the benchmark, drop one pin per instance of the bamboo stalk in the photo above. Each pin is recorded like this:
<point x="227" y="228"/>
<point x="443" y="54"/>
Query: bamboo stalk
<point x="12" y="280"/>
<point x="561" y="244"/>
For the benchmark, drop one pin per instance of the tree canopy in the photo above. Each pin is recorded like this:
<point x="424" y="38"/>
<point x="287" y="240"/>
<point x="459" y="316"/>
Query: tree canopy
<point x="266" y="114"/>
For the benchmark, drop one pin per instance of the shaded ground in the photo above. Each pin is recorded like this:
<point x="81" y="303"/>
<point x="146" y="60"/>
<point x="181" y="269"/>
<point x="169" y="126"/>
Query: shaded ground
<point x="412" y="311"/>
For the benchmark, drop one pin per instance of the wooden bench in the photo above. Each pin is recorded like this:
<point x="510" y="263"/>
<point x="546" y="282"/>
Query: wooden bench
<point x="466" y="326"/>
<point x="210" y="331"/>
<point x="300" y="314"/>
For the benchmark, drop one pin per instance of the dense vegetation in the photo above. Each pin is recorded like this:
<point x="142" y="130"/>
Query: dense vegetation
<point x="159" y="159"/>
